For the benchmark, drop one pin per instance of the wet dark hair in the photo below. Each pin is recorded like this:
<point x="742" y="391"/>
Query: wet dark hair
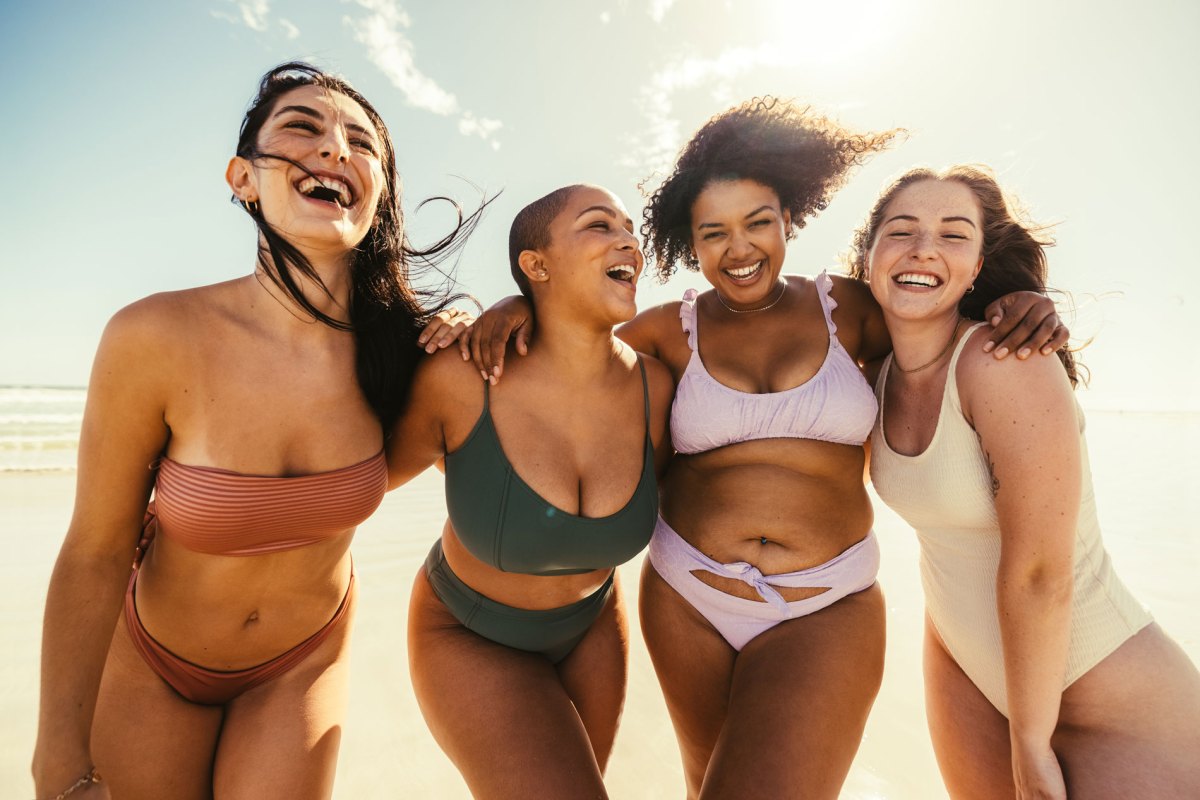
<point x="386" y="311"/>
<point x="1013" y="250"/>
<point x="803" y="157"/>
<point x="531" y="230"/>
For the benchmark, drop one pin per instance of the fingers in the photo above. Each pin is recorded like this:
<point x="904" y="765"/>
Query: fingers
<point x="522" y="343"/>
<point x="447" y="326"/>
<point x="1057" y="341"/>
<point x="1023" y="323"/>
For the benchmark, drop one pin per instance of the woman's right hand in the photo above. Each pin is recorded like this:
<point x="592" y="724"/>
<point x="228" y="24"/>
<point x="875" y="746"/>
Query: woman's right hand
<point x="510" y="318"/>
<point x="1037" y="774"/>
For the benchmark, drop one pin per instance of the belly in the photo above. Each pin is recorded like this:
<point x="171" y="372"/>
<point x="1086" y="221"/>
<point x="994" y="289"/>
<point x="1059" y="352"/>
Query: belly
<point x="806" y="499"/>
<point x="532" y="592"/>
<point x="234" y="612"/>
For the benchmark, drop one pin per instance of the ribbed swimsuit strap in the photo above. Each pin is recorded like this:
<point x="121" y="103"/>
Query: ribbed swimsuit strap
<point x="950" y="392"/>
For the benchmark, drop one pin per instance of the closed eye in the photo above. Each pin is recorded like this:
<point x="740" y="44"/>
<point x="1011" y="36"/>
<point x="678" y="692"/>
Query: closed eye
<point x="301" y="124"/>
<point x="364" y="144"/>
<point x="708" y="237"/>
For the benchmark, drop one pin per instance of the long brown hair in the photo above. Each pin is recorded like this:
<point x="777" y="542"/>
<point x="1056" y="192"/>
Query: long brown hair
<point x="1014" y="247"/>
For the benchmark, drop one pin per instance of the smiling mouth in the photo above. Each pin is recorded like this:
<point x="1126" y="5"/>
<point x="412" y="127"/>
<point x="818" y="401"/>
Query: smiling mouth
<point x="923" y="280"/>
<point x="746" y="272"/>
<point x="622" y="273"/>
<point x="328" y="190"/>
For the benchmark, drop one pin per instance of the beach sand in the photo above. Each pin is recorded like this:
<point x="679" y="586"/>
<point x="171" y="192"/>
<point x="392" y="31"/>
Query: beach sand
<point x="1142" y="481"/>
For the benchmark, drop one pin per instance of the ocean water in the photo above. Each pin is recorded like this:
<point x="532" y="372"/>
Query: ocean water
<point x="39" y="427"/>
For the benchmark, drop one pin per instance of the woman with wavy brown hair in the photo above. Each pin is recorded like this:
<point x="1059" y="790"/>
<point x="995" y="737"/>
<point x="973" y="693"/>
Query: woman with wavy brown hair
<point x="254" y="412"/>
<point x="1044" y="677"/>
<point x="758" y="601"/>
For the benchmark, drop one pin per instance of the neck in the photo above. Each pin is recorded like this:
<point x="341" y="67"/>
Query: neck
<point x="579" y="350"/>
<point x="333" y="299"/>
<point x="917" y="343"/>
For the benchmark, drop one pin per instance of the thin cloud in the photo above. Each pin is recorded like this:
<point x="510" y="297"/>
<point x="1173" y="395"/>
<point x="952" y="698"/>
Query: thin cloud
<point x="255" y="15"/>
<point x="659" y="9"/>
<point x="251" y="13"/>
<point x="655" y="148"/>
<point x="382" y="33"/>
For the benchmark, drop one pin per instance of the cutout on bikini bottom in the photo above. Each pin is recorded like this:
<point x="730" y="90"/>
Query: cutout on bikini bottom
<point x="732" y="586"/>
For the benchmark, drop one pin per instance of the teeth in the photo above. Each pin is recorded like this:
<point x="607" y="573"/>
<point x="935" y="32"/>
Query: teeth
<point x="917" y="279"/>
<point x="310" y="185"/>
<point x="745" y="272"/>
<point x="621" y="272"/>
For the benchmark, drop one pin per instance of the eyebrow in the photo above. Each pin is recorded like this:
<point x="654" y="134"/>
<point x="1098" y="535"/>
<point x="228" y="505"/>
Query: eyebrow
<point x="312" y="112"/>
<point x="911" y="218"/>
<point x="758" y="210"/>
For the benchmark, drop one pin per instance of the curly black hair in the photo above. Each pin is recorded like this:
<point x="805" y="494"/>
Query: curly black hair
<point x="802" y="156"/>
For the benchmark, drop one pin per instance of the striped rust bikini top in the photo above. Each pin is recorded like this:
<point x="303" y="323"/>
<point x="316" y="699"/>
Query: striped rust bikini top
<point x="221" y="512"/>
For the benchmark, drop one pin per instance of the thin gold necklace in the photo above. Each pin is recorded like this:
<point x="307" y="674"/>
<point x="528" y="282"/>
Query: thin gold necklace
<point x="771" y="304"/>
<point x="936" y="358"/>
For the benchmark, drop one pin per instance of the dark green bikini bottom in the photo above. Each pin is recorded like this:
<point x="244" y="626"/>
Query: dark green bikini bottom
<point x="553" y="632"/>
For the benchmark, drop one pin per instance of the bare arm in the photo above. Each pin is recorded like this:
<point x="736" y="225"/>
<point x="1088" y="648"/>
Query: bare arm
<point x="1026" y="419"/>
<point x="123" y="432"/>
<point x="418" y="441"/>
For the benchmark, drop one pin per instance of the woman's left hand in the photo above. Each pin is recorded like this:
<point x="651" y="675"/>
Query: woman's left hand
<point x="446" y="327"/>
<point x="1037" y="774"/>
<point x="1024" y="323"/>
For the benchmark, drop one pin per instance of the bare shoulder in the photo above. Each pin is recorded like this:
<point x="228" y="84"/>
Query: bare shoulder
<point x="987" y="383"/>
<point x="852" y="295"/>
<point x="656" y="332"/>
<point x="445" y="374"/>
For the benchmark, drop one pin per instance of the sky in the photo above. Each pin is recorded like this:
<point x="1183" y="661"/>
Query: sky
<point x="121" y="116"/>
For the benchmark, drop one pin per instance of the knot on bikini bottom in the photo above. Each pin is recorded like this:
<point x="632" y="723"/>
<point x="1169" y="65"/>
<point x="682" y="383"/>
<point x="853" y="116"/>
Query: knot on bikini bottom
<point x="750" y="575"/>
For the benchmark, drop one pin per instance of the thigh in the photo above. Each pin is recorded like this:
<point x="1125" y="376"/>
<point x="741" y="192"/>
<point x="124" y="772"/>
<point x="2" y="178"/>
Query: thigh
<point x="970" y="736"/>
<point x="281" y="738"/>
<point x="594" y="675"/>
<point x="694" y="665"/>
<point x="501" y="715"/>
<point x="1130" y="727"/>
<point x="147" y="741"/>
<point x="799" y="701"/>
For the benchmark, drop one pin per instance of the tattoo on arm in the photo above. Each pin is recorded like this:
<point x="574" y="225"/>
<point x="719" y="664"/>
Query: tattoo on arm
<point x="992" y="472"/>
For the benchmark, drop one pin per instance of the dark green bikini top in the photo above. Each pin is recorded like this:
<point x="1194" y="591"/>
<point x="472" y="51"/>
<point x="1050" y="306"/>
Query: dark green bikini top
<point x="504" y="523"/>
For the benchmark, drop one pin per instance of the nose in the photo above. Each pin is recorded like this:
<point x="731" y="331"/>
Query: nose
<point x="739" y="246"/>
<point x="923" y="246"/>
<point x="334" y="144"/>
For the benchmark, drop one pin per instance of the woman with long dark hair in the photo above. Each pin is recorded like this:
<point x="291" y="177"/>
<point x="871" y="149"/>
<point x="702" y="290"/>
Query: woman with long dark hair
<point x="253" y="412"/>
<point x="1044" y="677"/>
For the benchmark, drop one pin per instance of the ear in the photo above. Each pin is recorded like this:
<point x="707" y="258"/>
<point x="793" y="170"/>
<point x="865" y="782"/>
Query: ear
<point x="787" y="222"/>
<point x="240" y="177"/>
<point x="978" y="267"/>
<point x="534" y="266"/>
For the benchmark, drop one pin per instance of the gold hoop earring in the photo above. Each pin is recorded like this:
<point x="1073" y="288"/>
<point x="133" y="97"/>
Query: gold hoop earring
<point x="970" y="289"/>
<point x="252" y="207"/>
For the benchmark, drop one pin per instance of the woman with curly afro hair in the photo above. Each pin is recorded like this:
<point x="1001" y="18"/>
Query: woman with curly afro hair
<point x="758" y="601"/>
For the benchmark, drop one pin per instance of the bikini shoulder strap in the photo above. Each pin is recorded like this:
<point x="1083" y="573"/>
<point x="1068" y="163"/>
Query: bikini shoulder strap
<point x="828" y="304"/>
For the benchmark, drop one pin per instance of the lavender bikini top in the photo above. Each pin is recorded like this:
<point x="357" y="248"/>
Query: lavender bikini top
<point x="834" y="405"/>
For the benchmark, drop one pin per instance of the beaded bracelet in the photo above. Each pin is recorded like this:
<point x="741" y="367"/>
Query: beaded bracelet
<point x="91" y="777"/>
